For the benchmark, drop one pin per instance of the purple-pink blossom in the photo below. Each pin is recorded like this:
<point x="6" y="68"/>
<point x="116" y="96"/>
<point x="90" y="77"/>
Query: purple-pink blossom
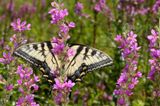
<point x="156" y="6"/>
<point x="101" y="6"/>
<point x="58" y="98"/>
<point x="70" y="52"/>
<point x="154" y="53"/>
<point x="61" y="90"/>
<point x="20" y="26"/>
<point x="130" y="41"/>
<point x="78" y="8"/>
<point x="7" y="47"/>
<point x="27" y="85"/>
<point x="129" y="77"/>
<point x="152" y="38"/>
<point x="14" y="40"/>
<point x="9" y="87"/>
<point x="27" y="100"/>
<point x="69" y="84"/>
<point x="121" y="101"/>
<point x="64" y="28"/>
<point x="26" y="9"/>
<point x="61" y="86"/>
<point x="133" y="7"/>
<point x="58" y="85"/>
<point x="57" y="14"/>
<point x="71" y="25"/>
<point x="58" y="48"/>
<point x="7" y="58"/>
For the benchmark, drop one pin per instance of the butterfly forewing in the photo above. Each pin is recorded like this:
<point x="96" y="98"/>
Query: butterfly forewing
<point x="85" y="60"/>
<point x="40" y="55"/>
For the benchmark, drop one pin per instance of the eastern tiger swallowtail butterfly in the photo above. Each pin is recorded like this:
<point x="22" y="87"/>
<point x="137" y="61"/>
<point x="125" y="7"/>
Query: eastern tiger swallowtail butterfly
<point x="85" y="59"/>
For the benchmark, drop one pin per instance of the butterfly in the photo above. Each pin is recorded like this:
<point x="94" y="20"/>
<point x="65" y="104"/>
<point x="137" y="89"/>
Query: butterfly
<point x="85" y="59"/>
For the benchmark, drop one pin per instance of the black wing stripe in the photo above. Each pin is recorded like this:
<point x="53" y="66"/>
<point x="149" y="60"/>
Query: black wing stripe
<point x="30" y="59"/>
<point x="80" y="48"/>
<point x="85" y="54"/>
<point x="42" y="51"/>
<point x="93" y="52"/>
<point x="100" y="64"/>
<point x="49" y="45"/>
<point x="35" y="47"/>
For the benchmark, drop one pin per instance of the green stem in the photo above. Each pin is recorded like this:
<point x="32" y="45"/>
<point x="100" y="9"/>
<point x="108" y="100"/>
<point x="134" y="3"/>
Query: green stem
<point x="59" y="1"/>
<point x="94" y="28"/>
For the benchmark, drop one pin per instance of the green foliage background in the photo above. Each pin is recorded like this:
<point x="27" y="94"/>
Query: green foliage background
<point x="106" y="30"/>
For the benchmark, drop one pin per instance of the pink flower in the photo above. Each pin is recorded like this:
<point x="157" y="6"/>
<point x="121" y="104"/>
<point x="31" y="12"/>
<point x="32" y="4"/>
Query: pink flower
<point x="155" y="55"/>
<point x="14" y="40"/>
<point x="6" y="47"/>
<point x="156" y="6"/>
<point x="19" y="82"/>
<point x="97" y="7"/>
<point x="20" y="101"/>
<point x="20" y="26"/>
<point x="153" y="38"/>
<point x="58" y="85"/>
<point x="78" y="8"/>
<point x="57" y="14"/>
<point x="58" y="48"/>
<point x="62" y="89"/>
<point x="71" y="25"/>
<point x="7" y="58"/>
<point x="64" y="29"/>
<point x="28" y="99"/>
<point x="20" y="89"/>
<point x="101" y="6"/>
<point x="35" y="87"/>
<point x="121" y="101"/>
<point x="69" y="84"/>
<point x="9" y="87"/>
<point x="118" y="38"/>
<point x="129" y="77"/>
<point x="36" y="78"/>
<point x="143" y="11"/>
<point x="70" y="52"/>
<point x="26" y="83"/>
<point x="58" y="98"/>
<point x="138" y="74"/>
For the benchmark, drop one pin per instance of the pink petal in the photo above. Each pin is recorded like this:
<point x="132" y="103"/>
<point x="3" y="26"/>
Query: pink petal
<point x="71" y="25"/>
<point x="23" y="23"/>
<point x="19" y="21"/>
<point x="2" y="60"/>
<point x="28" y="26"/>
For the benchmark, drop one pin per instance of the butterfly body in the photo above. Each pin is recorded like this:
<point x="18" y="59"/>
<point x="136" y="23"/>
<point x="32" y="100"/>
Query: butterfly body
<point x="85" y="59"/>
